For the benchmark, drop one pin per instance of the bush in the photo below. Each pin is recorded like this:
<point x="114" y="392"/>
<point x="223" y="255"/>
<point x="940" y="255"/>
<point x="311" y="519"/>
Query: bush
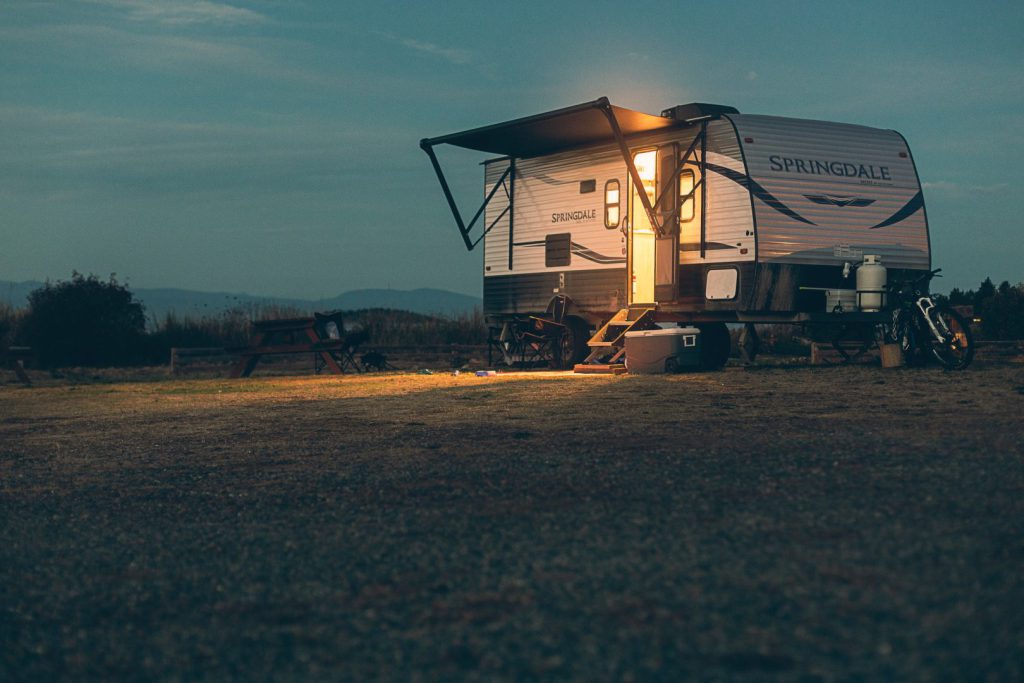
<point x="84" y="321"/>
<point x="1002" y="314"/>
<point x="1001" y="308"/>
<point x="388" y="327"/>
<point x="229" y="329"/>
<point x="10" y="317"/>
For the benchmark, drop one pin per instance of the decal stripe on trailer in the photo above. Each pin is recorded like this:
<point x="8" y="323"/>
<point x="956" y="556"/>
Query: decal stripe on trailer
<point x="910" y="208"/>
<point x="755" y="189"/>
<point x="579" y="250"/>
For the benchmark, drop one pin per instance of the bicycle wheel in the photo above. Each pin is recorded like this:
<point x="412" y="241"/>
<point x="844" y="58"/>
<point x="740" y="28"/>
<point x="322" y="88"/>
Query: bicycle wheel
<point x="956" y="350"/>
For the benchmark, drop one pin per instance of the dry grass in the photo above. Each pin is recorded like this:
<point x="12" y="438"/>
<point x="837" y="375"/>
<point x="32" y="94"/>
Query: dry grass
<point x="787" y="522"/>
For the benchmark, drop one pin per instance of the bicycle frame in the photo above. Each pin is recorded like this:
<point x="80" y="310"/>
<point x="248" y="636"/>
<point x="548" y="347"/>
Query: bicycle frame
<point x="926" y="306"/>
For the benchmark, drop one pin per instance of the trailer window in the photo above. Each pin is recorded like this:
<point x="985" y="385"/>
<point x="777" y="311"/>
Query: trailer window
<point x="686" y="195"/>
<point x="611" y="204"/>
<point x="588" y="186"/>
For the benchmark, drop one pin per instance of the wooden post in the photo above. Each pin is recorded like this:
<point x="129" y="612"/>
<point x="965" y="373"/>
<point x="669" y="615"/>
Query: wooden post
<point x="892" y="356"/>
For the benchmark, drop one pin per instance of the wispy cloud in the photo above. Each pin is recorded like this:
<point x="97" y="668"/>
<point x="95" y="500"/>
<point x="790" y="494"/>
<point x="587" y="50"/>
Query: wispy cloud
<point x="46" y="151"/>
<point x="961" y="189"/>
<point x="182" y="12"/>
<point x="254" y="56"/>
<point x="450" y="54"/>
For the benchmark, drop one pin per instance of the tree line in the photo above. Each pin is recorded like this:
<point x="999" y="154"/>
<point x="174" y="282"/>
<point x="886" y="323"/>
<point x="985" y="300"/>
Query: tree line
<point x="89" y="322"/>
<point x="1001" y="308"/>
<point x="86" y="321"/>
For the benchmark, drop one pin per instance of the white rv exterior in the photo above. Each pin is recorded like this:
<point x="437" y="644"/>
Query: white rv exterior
<point x="778" y="191"/>
<point x="703" y="213"/>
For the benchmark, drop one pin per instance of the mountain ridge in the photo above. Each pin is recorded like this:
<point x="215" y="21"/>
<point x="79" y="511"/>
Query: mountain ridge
<point x="160" y="301"/>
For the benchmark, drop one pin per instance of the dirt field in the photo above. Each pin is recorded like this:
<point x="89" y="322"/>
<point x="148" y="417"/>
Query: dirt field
<point x="777" y="523"/>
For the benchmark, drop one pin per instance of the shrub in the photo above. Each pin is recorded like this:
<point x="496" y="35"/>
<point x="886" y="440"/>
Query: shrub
<point x="84" y="321"/>
<point x="1002" y="313"/>
<point x="388" y="327"/>
<point x="9" y="319"/>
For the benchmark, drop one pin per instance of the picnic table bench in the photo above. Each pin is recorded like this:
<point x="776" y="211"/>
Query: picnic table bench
<point x="14" y="357"/>
<point x="295" y="336"/>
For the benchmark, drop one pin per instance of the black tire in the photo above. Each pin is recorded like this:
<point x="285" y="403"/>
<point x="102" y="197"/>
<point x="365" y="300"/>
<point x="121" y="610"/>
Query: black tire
<point x="958" y="352"/>
<point x="573" y="347"/>
<point x="715" y="345"/>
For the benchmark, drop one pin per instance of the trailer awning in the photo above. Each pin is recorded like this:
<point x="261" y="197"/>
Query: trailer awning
<point x="583" y="124"/>
<point x="552" y="131"/>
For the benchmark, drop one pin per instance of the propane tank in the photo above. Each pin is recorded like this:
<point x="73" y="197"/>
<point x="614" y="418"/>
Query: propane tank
<point x="871" y="279"/>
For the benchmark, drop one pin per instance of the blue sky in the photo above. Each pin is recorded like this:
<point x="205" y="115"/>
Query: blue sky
<point x="271" y="147"/>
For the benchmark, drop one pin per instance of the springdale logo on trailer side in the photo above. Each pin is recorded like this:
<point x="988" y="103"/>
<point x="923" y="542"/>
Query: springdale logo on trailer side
<point x="722" y="218"/>
<point x="576" y="216"/>
<point x="840" y="169"/>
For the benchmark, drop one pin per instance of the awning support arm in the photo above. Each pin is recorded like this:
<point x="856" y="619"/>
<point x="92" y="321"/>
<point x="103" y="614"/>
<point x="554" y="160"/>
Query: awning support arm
<point x="605" y="107"/>
<point x="704" y="194"/>
<point x="493" y="223"/>
<point x="682" y="161"/>
<point x="464" y="229"/>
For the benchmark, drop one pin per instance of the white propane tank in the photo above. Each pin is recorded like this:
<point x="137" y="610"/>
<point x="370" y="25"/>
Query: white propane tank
<point x="871" y="280"/>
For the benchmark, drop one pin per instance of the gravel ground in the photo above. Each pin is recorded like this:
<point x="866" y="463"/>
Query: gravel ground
<point x="783" y="523"/>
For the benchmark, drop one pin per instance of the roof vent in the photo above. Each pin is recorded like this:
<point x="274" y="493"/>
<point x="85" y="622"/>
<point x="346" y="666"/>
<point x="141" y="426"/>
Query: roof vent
<point x="696" y="111"/>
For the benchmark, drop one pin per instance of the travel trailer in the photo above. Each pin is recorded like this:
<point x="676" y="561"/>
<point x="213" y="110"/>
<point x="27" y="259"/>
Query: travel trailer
<point x="700" y="216"/>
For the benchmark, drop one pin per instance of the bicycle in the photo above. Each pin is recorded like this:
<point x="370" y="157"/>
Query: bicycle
<point x="924" y="328"/>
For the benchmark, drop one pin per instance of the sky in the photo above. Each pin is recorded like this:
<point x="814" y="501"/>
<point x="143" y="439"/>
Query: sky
<point x="271" y="146"/>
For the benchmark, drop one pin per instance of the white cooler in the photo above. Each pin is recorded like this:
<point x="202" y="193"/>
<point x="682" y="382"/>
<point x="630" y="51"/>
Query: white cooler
<point x="651" y="352"/>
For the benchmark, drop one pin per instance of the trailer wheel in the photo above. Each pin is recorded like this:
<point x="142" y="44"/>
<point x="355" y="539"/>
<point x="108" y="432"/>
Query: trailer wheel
<point x="715" y="345"/>
<point x="573" y="345"/>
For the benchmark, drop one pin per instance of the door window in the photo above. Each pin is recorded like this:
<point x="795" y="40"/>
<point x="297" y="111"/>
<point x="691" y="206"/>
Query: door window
<point x="687" y="197"/>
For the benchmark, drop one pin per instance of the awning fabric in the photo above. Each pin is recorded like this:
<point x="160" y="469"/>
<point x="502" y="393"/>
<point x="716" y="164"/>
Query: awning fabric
<point x="582" y="124"/>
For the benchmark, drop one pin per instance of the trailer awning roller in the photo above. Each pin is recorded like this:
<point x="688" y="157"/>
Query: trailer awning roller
<point x="581" y="124"/>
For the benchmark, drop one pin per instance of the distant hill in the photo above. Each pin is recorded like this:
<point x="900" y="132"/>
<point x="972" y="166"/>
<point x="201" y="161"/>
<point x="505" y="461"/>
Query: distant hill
<point x="159" y="302"/>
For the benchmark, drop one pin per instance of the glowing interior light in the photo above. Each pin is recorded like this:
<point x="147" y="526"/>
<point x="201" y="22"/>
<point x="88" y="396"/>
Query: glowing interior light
<point x="646" y="168"/>
<point x="611" y="204"/>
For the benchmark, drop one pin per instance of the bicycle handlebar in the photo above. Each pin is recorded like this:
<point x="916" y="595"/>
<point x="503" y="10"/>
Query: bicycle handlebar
<point x="897" y="285"/>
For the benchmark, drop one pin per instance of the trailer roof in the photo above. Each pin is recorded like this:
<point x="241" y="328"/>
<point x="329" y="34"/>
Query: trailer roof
<point x="581" y="124"/>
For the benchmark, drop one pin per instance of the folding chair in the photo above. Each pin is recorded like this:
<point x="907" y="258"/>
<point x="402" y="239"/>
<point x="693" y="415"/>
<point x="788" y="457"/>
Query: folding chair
<point x="536" y="339"/>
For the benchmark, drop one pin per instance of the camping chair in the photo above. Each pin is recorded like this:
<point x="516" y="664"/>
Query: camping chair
<point x="536" y="339"/>
<point x="329" y="325"/>
<point x="345" y="354"/>
<point x="342" y="346"/>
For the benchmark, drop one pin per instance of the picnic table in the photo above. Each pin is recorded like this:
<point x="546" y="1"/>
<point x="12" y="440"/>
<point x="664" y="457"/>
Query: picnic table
<point x="292" y="336"/>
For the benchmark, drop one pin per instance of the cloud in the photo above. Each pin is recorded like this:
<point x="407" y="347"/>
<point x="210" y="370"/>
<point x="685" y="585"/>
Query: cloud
<point x="97" y="45"/>
<point x="63" y="153"/>
<point x="450" y="54"/>
<point x="952" y="189"/>
<point x="182" y="12"/>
